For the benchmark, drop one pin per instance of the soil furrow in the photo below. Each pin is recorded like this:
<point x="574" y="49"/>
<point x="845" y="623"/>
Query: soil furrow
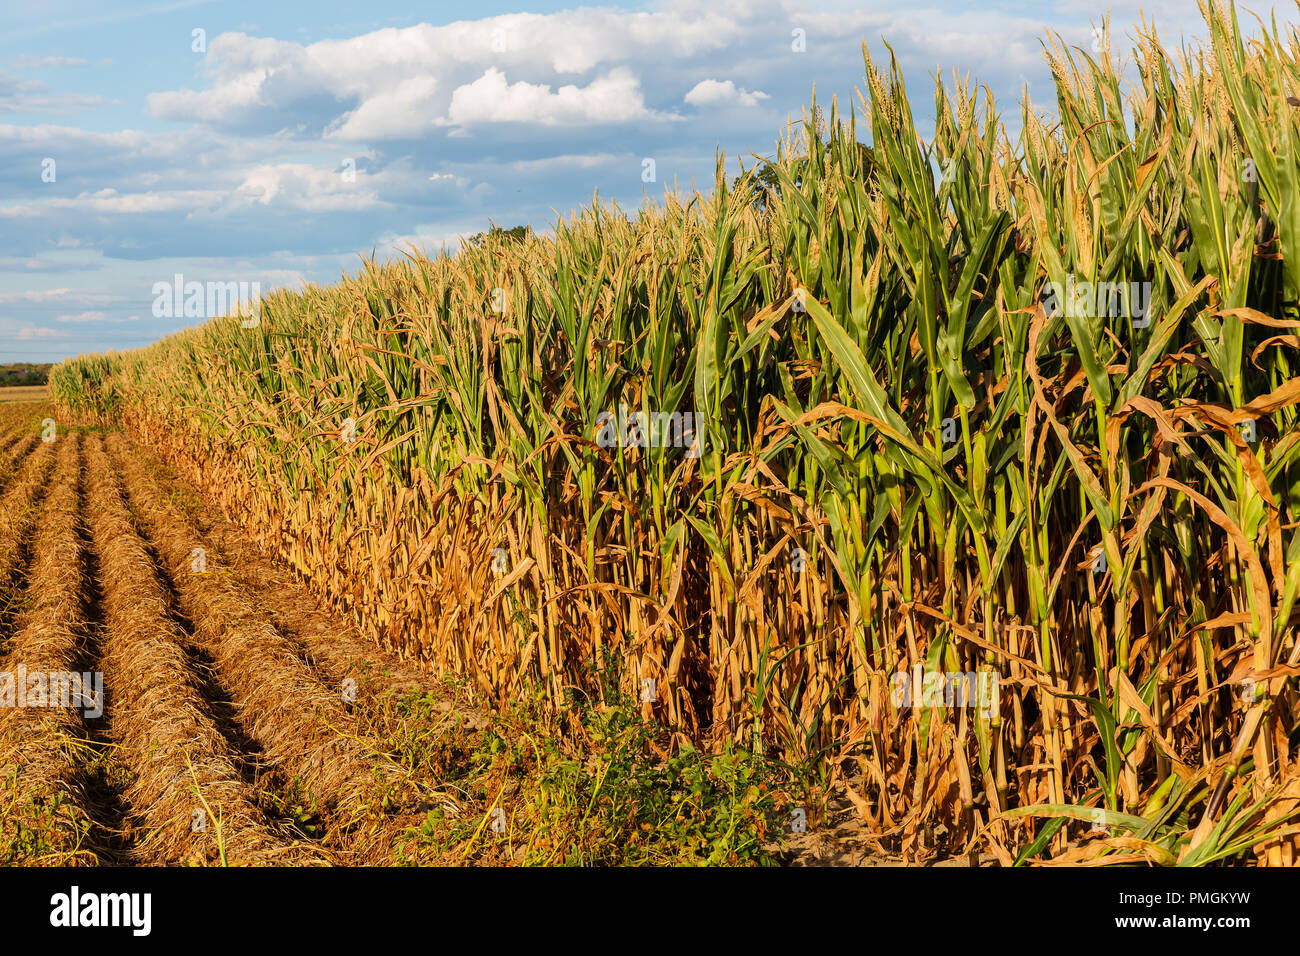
<point x="332" y="648"/>
<point x="103" y="779"/>
<point x="277" y="795"/>
<point x="46" y="701"/>
<point x="18" y="508"/>
<point x="188" y="794"/>
<point x="17" y="447"/>
<point x="23" y="488"/>
<point x="302" y="724"/>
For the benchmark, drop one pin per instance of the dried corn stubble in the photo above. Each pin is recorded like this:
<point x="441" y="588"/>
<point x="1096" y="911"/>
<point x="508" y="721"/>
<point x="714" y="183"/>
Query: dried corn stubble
<point x="334" y="650"/>
<point x="302" y="725"/>
<point x="21" y="498"/>
<point x="186" y="791"/>
<point x="43" y="741"/>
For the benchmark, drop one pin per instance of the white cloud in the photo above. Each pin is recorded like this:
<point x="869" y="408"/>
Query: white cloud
<point x="105" y="202"/>
<point x="82" y="317"/>
<point x="553" y="164"/>
<point x="613" y="98"/>
<point x="708" y="93"/>
<point x="49" y="138"/>
<point x="34" y="98"/>
<point x="302" y="186"/>
<point x="396" y="83"/>
<point x="32" y="296"/>
<point x="30" y="333"/>
<point x="227" y="100"/>
<point x="407" y="111"/>
<point x="424" y="241"/>
<point x="65" y="296"/>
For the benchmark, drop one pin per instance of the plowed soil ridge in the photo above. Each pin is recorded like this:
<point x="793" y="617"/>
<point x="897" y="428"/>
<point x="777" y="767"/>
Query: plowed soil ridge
<point x="237" y="722"/>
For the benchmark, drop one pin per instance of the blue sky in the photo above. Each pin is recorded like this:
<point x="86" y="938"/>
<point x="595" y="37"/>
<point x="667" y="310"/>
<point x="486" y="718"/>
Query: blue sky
<point x="304" y="134"/>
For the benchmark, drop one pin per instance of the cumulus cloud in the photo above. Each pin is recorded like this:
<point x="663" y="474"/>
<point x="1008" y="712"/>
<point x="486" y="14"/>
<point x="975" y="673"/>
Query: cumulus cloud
<point x="306" y="187"/>
<point x="400" y="83"/>
<point x="723" y="93"/>
<point x="29" y="96"/>
<point x="49" y="137"/>
<point x="106" y="201"/>
<point x="60" y="296"/>
<point x="421" y="239"/>
<point x="407" y="111"/>
<point x="32" y="333"/>
<point x="588" y="66"/>
<point x="613" y="98"/>
<point x="570" y="161"/>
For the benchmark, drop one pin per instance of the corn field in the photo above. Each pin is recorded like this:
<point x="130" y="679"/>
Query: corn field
<point x="908" y="457"/>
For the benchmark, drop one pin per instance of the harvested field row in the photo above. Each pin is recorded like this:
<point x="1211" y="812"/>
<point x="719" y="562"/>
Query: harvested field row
<point x="13" y="445"/>
<point x="23" y="487"/>
<point x="197" y="729"/>
<point x="332" y="647"/>
<point x="18" y="447"/>
<point x="43" y="740"/>
<point x="186" y="789"/>
<point x="300" y="722"/>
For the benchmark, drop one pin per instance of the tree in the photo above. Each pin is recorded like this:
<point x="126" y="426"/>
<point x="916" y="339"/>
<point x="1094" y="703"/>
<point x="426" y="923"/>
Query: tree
<point x="767" y="182"/>
<point x="513" y="234"/>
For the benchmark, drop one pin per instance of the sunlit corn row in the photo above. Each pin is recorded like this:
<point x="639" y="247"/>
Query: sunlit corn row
<point x="1013" y="402"/>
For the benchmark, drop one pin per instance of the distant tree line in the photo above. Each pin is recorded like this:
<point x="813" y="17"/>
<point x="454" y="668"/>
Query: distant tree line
<point x="24" y="373"/>
<point x="513" y="234"/>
